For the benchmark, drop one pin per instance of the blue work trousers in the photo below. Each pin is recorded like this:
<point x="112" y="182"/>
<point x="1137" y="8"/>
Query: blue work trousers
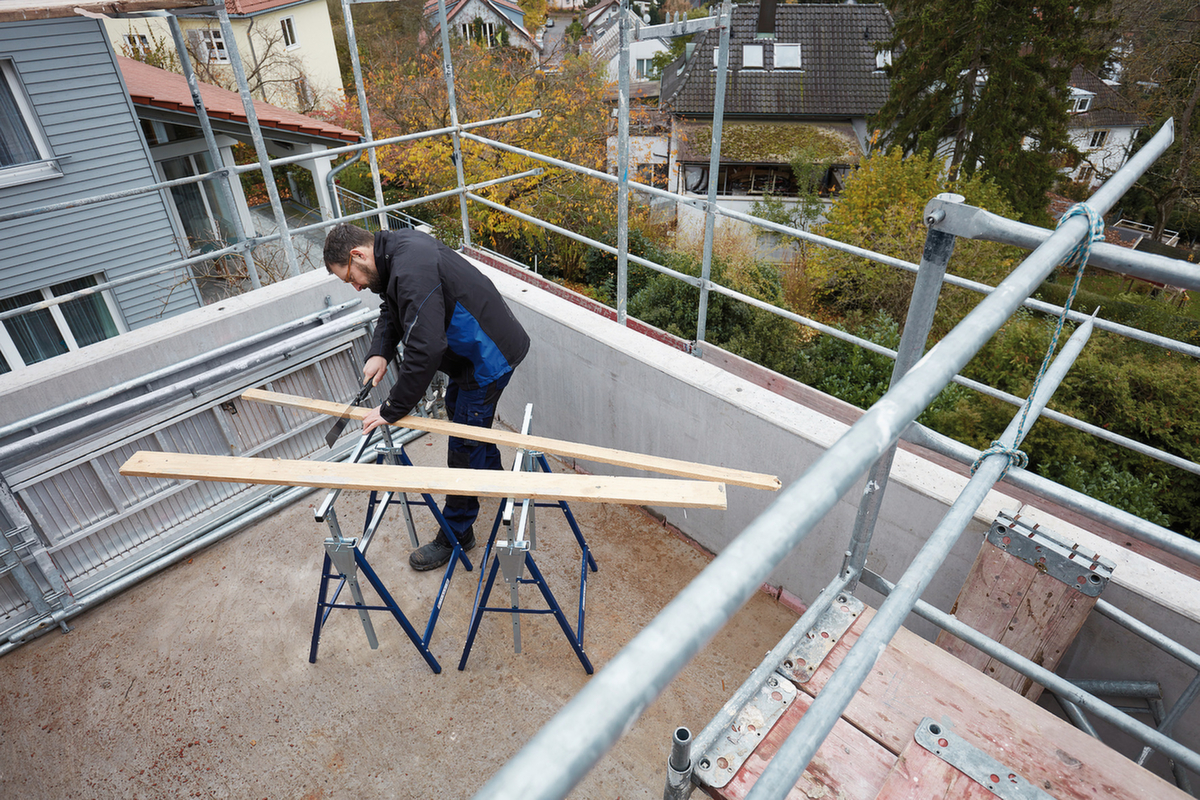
<point x="470" y="407"/>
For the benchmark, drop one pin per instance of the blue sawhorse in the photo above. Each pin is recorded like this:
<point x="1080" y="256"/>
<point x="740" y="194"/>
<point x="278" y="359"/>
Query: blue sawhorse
<point x="346" y="557"/>
<point x="514" y="554"/>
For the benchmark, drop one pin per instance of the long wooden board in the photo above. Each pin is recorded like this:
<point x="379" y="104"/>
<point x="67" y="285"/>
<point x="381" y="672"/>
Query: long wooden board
<point x="604" y="455"/>
<point x="435" y="480"/>
<point x="913" y="679"/>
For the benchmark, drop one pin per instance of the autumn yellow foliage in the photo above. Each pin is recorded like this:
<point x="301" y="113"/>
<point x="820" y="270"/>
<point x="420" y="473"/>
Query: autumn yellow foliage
<point x="411" y="97"/>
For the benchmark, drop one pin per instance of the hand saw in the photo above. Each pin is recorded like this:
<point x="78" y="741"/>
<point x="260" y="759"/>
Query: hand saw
<point x="336" y="431"/>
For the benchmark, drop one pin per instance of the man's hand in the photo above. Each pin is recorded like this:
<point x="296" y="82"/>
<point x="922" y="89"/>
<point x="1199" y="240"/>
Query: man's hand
<point x="374" y="370"/>
<point x="373" y="419"/>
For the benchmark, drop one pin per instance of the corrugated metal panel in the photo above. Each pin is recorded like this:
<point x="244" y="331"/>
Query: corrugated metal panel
<point x="69" y="72"/>
<point x="97" y="524"/>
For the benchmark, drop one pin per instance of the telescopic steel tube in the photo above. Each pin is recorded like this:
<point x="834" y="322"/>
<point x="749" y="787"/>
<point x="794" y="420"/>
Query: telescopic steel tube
<point x="714" y="169"/>
<point x="364" y="109"/>
<point x="794" y="755"/>
<point x="921" y="307"/>
<point x="260" y="144"/>
<point x="622" y="160"/>
<point x="223" y="186"/>
<point x="558" y="756"/>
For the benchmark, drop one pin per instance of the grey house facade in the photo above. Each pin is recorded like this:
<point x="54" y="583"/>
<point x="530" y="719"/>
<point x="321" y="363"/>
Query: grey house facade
<point x="71" y="132"/>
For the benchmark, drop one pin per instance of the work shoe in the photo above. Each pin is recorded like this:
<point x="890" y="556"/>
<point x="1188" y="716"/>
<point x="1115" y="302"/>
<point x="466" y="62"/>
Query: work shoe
<point x="437" y="552"/>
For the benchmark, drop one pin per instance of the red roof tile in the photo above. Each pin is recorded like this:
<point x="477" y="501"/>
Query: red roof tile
<point x="151" y="86"/>
<point x="246" y="7"/>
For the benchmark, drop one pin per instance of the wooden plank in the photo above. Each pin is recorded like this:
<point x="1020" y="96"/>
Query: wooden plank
<point x="1048" y="621"/>
<point x="604" y="455"/>
<point x="995" y="582"/>
<point x="921" y="775"/>
<point x="1012" y="602"/>
<point x="435" y="480"/>
<point x="913" y="679"/>
<point x="848" y="765"/>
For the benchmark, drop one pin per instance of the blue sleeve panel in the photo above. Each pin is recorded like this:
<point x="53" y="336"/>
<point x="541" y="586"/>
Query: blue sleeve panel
<point x="468" y="340"/>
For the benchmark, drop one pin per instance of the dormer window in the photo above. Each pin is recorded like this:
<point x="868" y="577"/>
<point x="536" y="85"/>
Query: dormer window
<point x="752" y="56"/>
<point x="787" y="56"/>
<point x="1081" y="101"/>
<point x="883" y="60"/>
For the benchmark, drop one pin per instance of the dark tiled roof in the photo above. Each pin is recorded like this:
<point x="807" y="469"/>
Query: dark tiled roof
<point x="1108" y="109"/>
<point x="838" y="78"/>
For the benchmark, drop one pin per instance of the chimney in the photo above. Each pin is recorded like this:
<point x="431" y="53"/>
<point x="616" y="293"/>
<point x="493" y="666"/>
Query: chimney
<point x="766" y="20"/>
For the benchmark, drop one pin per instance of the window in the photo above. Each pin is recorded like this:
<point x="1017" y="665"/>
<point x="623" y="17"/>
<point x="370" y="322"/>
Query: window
<point x="289" y="32"/>
<point x="883" y="60"/>
<point x="24" y="152"/>
<point x="47" y="332"/>
<point x="787" y="56"/>
<point x="758" y="179"/>
<point x="646" y="70"/>
<point x="210" y="47"/>
<point x="479" y="32"/>
<point x="752" y="56"/>
<point x="1086" y="173"/>
<point x="1099" y="139"/>
<point x="1081" y="100"/>
<point x="202" y="211"/>
<point x="136" y="43"/>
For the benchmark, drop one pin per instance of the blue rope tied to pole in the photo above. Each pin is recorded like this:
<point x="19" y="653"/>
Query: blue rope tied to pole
<point x="1076" y="258"/>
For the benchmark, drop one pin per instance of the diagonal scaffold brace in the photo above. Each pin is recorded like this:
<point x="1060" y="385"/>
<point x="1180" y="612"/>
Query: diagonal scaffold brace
<point x="513" y="555"/>
<point x="346" y="557"/>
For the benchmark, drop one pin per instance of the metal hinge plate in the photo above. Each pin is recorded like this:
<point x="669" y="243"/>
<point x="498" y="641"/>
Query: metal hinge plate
<point x="720" y="763"/>
<point x="1088" y="572"/>
<point x="974" y="763"/>
<point x="808" y="654"/>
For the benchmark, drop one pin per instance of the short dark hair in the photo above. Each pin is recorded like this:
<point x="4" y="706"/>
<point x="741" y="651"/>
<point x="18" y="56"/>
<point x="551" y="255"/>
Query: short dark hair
<point x="341" y="240"/>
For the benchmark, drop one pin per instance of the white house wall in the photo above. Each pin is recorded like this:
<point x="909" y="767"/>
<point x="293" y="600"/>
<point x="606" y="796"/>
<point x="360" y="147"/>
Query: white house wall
<point x="1107" y="159"/>
<point x="70" y="74"/>
<point x="642" y="150"/>
<point x="647" y="49"/>
<point x="314" y="46"/>
<point x="314" y="38"/>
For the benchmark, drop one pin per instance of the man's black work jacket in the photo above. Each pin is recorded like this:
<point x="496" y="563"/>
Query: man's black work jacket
<point x="447" y="315"/>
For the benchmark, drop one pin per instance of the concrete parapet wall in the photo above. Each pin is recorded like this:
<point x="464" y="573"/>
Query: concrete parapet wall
<point x="593" y="381"/>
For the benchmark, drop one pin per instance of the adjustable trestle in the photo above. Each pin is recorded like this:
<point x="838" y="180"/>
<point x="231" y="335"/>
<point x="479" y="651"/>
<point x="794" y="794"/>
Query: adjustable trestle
<point x="514" y="554"/>
<point x="345" y="557"/>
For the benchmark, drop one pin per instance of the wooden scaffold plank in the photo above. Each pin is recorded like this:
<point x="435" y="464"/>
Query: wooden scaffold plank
<point x="604" y="455"/>
<point x="435" y="480"/>
<point x="914" y="679"/>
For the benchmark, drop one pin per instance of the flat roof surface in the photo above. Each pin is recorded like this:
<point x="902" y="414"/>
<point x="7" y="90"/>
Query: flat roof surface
<point x="197" y="682"/>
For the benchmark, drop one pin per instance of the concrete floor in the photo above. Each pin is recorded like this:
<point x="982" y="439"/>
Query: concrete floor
<point x="196" y="683"/>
